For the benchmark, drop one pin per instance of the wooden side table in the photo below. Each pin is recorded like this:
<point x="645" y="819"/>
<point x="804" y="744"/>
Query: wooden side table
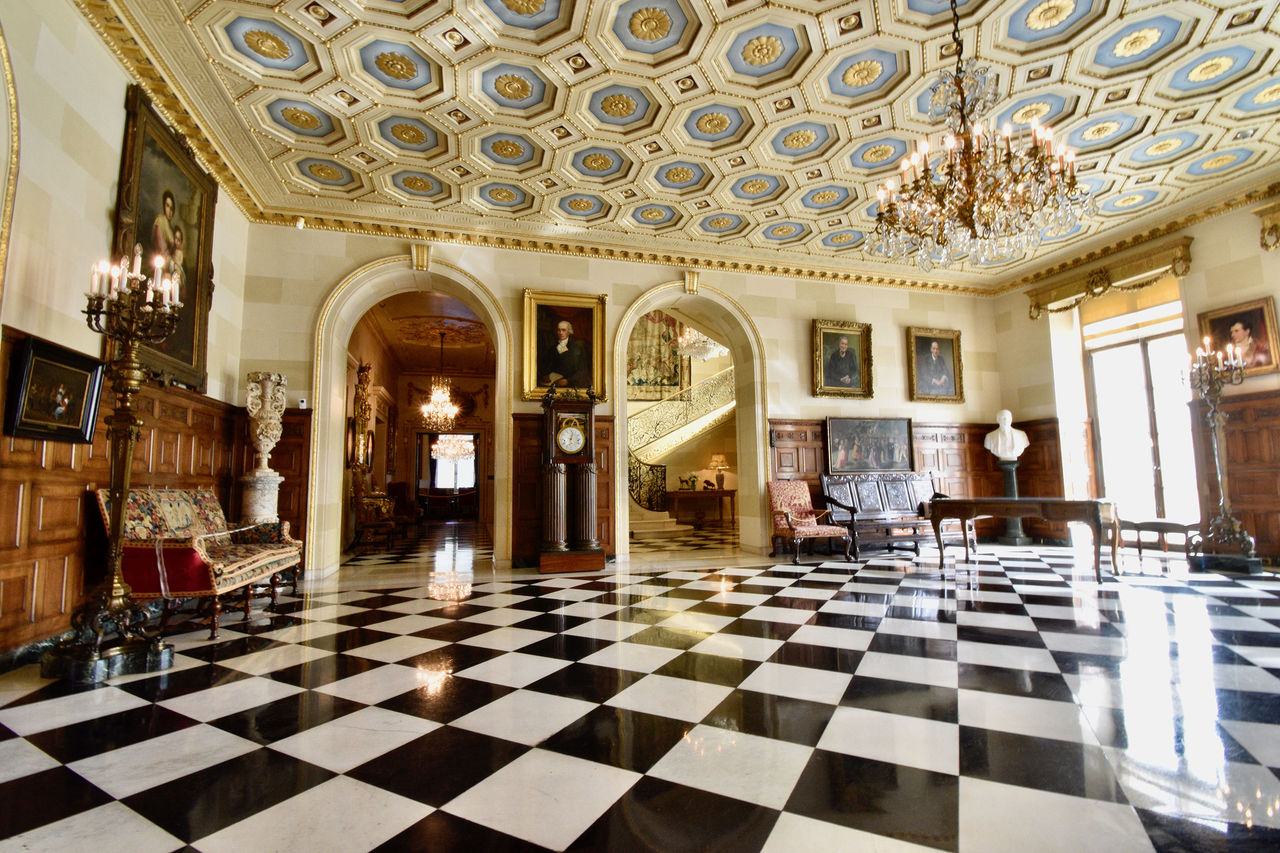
<point x="701" y="496"/>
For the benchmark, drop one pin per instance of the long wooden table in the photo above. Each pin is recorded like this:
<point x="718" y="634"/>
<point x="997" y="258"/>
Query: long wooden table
<point x="1094" y="513"/>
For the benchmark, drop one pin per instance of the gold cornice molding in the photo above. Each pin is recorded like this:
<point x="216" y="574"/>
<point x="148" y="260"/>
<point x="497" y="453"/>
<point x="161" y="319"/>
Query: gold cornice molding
<point x="1129" y="270"/>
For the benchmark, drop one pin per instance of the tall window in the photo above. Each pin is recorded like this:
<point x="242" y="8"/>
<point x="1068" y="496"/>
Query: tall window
<point x="1143" y="420"/>
<point x="456" y="473"/>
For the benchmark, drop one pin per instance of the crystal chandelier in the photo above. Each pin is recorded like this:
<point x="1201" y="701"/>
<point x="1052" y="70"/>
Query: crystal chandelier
<point x="439" y="411"/>
<point x="986" y="197"/>
<point x="694" y="344"/>
<point x="453" y="448"/>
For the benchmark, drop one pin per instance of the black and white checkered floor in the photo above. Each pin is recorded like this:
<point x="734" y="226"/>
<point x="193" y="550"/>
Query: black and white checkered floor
<point x="879" y="705"/>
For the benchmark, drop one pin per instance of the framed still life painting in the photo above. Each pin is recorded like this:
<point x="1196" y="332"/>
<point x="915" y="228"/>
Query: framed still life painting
<point x="53" y="392"/>
<point x="165" y="206"/>
<point x="563" y="343"/>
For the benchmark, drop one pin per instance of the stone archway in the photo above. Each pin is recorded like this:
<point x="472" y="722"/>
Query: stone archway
<point x="345" y="305"/>
<point x="747" y="349"/>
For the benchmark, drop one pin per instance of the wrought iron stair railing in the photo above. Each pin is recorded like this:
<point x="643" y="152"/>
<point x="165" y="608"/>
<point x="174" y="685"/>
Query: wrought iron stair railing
<point x="681" y="416"/>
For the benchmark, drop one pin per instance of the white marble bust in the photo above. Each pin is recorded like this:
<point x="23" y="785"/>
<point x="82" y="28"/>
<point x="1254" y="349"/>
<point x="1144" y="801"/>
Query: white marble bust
<point x="1004" y="441"/>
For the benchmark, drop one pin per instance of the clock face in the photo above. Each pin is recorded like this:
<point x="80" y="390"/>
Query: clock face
<point x="571" y="438"/>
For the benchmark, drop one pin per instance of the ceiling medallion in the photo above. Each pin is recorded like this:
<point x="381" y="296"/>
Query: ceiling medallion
<point x="417" y="184"/>
<point x="581" y="205"/>
<point x="1210" y="69"/>
<point x="1128" y="200"/>
<point x="679" y="175"/>
<point x="983" y="199"/>
<point x="1049" y="14"/>
<point x="409" y="134"/>
<point x="300" y="118"/>
<point x="1164" y="146"/>
<point x="597" y="162"/>
<point x="1136" y="42"/>
<point x="324" y="172"/>
<point x="862" y="73"/>
<point x="513" y="87"/>
<point x="1218" y="162"/>
<point x="719" y="222"/>
<point x="762" y="50"/>
<point x="266" y="44"/>
<point x="825" y="196"/>
<point x="1269" y="95"/>
<point x="878" y="153"/>
<point x="1101" y="130"/>
<point x="652" y="214"/>
<point x="1031" y="112"/>
<point x="799" y="139"/>
<point x="396" y="66"/>
<point x="650" y="24"/>
<point x="507" y="149"/>
<point x="755" y="186"/>
<point x="502" y="194"/>
<point x="783" y="230"/>
<point x="525" y="7"/>
<point x="618" y="106"/>
<point x="713" y="123"/>
<point x="842" y="238"/>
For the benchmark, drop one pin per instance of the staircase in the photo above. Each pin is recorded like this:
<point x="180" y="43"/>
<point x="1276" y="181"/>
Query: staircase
<point x="655" y="432"/>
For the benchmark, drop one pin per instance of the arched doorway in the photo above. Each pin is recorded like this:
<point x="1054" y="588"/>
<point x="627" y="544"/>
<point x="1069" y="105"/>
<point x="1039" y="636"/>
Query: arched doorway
<point x="752" y="420"/>
<point x="349" y="301"/>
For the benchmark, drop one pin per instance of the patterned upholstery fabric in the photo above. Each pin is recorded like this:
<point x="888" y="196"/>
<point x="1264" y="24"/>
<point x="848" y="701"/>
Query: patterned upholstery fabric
<point x="791" y="497"/>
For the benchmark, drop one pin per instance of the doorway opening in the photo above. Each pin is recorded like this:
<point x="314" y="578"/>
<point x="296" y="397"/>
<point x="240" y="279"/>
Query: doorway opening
<point x="447" y="466"/>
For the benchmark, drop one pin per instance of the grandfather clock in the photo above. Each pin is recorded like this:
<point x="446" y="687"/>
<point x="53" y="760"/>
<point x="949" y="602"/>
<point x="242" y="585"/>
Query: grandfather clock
<point x="569" y="542"/>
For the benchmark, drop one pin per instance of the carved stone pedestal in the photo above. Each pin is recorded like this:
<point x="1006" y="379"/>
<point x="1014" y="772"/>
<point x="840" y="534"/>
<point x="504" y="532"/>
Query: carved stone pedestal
<point x="260" y="497"/>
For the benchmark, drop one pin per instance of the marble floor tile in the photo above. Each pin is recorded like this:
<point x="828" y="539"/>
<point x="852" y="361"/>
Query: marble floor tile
<point x="735" y="764"/>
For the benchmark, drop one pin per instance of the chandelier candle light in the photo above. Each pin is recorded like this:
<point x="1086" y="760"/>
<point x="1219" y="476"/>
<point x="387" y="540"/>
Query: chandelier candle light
<point x="131" y="309"/>
<point x="694" y="344"/>
<point x="453" y="448"/>
<point x="439" y="412"/>
<point x="987" y="196"/>
<point x="1210" y="373"/>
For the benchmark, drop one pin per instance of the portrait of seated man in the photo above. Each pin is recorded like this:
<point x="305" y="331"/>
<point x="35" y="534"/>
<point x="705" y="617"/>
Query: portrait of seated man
<point x="934" y="375"/>
<point x="563" y="360"/>
<point x="841" y="369"/>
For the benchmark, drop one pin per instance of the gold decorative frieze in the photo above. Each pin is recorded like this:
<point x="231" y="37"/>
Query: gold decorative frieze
<point x="1132" y="270"/>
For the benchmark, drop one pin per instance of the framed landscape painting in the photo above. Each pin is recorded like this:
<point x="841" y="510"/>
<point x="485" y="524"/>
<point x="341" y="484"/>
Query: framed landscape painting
<point x="1249" y="327"/>
<point x="858" y="445"/>
<point x="165" y="207"/>
<point x="841" y="359"/>
<point x="934" y="370"/>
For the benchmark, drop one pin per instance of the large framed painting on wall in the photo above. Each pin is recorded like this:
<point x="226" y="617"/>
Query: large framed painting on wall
<point x="165" y="205"/>
<point x="53" y="393"/>
<point x="841" y="359"/>
<point x="654" y="366"/>
<point x="857" y="445"/>
<point x="1249" y="327"/>
<point x="935" y="373"/>
<point x="563" y="343"/>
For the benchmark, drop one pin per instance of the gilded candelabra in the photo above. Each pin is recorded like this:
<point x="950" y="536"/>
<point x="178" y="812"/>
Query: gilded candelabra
<point x="1210" y="373"/>
<point x="131" y="309"/>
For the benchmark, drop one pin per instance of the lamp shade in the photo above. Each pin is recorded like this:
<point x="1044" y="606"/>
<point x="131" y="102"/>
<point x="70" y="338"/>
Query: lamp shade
<point x="717" y="462"/>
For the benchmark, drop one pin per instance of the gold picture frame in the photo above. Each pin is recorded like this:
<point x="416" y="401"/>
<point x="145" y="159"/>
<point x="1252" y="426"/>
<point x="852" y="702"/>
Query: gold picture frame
<point x="581" y="363"/>
<point x="829" y="378"/>
<point x="1257" y="336"/>
<point x="934" y="377"/>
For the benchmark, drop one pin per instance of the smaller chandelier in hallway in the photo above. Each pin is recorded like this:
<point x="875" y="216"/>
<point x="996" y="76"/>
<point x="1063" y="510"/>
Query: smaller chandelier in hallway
<point x="453" y="448"/>
<point x="986" y="197"/>
<point x="439" y="412"/>
<point x="694" y="344"/>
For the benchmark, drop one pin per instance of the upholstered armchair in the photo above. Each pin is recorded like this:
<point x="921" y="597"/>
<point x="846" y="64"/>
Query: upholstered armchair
<point x="795" y="519"/>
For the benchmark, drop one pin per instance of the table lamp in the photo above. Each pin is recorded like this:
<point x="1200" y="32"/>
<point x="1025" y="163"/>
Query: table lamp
<point x="718" y="463"/>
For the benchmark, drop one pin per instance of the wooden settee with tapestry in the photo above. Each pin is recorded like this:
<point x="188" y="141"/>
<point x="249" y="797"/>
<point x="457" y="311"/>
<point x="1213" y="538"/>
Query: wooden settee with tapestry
<point x="177" y="545"/>
<point x="887" y="510"/>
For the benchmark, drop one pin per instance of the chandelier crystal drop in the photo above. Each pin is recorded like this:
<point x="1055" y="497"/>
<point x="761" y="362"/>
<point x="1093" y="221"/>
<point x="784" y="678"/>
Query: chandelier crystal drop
<point x="694" y="344"/>
<point x="453" y="448"/>
<point x="987" y="196"/>
<point x="439" y="412"/>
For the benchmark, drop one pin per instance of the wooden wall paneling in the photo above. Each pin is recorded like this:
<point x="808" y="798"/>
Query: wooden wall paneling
<point x="1252" y="465"/>
<point x="604" y="484"/>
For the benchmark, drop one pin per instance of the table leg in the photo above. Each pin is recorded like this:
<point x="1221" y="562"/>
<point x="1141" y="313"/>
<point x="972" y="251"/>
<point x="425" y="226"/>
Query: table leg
<point x="1096" y="527"/>
<point x="1115" y="545"/>
<point x="937" y="533"/>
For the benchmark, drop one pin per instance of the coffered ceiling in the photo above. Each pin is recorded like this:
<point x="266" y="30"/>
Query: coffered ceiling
<point x="706" y="133"/>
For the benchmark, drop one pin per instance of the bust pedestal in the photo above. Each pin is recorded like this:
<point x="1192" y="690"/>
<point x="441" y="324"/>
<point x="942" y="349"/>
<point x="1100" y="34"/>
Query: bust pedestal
<point x="1013" y="534"/>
